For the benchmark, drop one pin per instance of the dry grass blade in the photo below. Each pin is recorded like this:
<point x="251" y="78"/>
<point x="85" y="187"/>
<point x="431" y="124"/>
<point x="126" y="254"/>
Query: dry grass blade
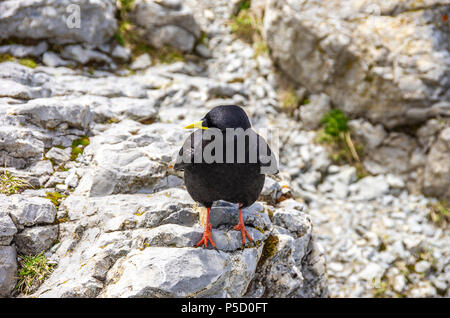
<point x="11" y="185"/>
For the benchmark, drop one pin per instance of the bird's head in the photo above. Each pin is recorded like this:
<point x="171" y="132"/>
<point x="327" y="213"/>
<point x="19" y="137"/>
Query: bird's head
<point x="223" y="117"/>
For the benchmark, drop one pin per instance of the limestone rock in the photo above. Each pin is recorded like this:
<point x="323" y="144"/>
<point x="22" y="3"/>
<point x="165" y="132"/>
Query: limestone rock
<point x="54" y="20"/>
<point x="28" y="211"/>
<point x="32" y="241"/>
<point x="363" y="54"/>
<point x="312" y="113"/>
<point x="166" y="23"/>
<point x="437" y="168"/>
<point x="8" y="268"/>
<point x="7" y="229"/>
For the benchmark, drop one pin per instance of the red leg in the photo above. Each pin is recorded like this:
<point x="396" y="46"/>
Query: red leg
<point x="241" y="227"/>
<point x="207" y="236"/>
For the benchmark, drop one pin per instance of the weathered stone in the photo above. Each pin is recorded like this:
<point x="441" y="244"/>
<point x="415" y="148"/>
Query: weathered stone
<point x="359" y="47"/>
<point x="8" y="269"/>
<point x="59" y="155"/>
<point x="84" y="55"/>
<point x="32" y="241"/>
<point x="53" y="59"/>
<point x="312" y="113"/>
<point x="369" y="188"/>
<point x="19" y="50"/>
<point x="19" y="147"/>
<point x="7" y="229"/>
<point x="141" y="62"/>
<point x="437" y="168"/>
<point x="161" y="24"/>
<point x="55" y="20"/>
<point x="50" y="113"/>
<point x="28" y="211"/>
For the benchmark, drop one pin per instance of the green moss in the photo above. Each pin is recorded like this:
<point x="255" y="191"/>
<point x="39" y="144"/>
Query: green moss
<point x="270" y="248"/>
<point x="33" y="270"/>
<point x="203" y="39"/>
<point x="6" y="58"/>
<point x="260" y="229"/>
<point x="270" y="213"/>
<point x="11" y="185"/>
<point x="27" y="62"/>
<point x="55" y="198"/>
<point x="23" y="61"/>
<point x="78" y="146"/>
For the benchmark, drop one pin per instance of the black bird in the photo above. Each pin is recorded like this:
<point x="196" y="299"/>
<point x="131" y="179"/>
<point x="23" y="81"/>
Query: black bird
<point x="239" y="176"/>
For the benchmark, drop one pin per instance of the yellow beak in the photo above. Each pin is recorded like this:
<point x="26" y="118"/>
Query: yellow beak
<point x="197" y="124"/>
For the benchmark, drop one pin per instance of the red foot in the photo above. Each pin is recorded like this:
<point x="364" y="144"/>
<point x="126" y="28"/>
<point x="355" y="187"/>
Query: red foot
<point x="207" y="236"/>
<point x="241" y="227"/>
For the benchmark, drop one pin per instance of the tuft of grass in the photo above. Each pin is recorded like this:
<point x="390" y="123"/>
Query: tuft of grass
<point x="335" y="134"/>
<point x="246" y="26"/>
<point x="335" y="123"/>
<point x="289" y="100"/>
<point x="11" y="185"/>
<point x="33" y="270"/>
<point x="55" y="198"/>
<point x="440" y="213"/>
<point x="260" y="47"/>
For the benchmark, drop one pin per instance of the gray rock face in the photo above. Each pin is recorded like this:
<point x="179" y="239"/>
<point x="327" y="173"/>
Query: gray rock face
<point x="32" y="241"/>
<point x="84" y="55"/>
<point x="7" y="229"/>
<point x="437" y="168"/>
<point x="359" y="47"/>
<point x="29" y="211"/>
<point x="282" y="271"/>
<point x="54" y="20"/>
<point x="312" y="113"/>
<point x="369" y="188"/>
<point x="138" y="245"/>
<point x="19" y="50"/>
<point x="166" y="23"/>
<point x="206" y="273"/>
<point x="59" y="155"/>
<point x="8" y="269"/>
<point x="19" y="147"/>
<point x="49" y="113"/>
<point x="149" y="152"/>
